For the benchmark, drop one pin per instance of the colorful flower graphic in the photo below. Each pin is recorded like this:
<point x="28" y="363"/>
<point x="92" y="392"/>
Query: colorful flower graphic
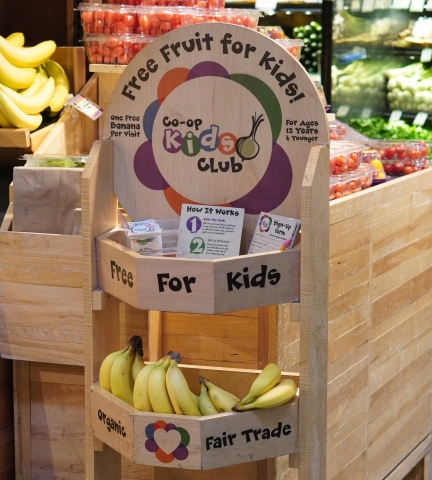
<point x="167" y="441"/>
<point x="265" y="223"/>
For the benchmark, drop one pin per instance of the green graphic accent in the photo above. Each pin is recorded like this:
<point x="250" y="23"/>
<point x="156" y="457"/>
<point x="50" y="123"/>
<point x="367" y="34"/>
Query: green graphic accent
<point x="197" y="245"/>
<point x="190" y="146"/>
<point x="266" y="97"/>
<point x="184" y="436"/>
<point x="144" y="241"/>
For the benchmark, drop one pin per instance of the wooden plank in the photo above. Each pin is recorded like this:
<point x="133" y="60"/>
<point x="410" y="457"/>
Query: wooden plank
<point x="7" y="219"/>
<point x="22" y="406"/>
<point x="155" y="333"/>
<point x="8" y="473"/>
<point x="101" y="328"/>
<point x="134" y="322"/>
<point x="57" y="458"/>
<point x="314" y="317"/>
<point x="15" y="137"/>
<point x="99" y="299"/>
<point x="354" y="470"/>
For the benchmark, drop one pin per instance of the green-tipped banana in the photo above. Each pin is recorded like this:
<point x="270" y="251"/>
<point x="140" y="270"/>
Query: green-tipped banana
<point x="105" y="369"/>
<point x="222" y="400"/>
<point x="34" y="104"/>
<point x="137" y="366"/>
<point x="39" y="81"/>
<point x="16" y="116"/>
<point x="206" y="407"/>
<point x="121" y="378"/>
<point x="14" y="77"/>
<point x="17" y="39"/>
<point x="265" y="381"/>
<point x="277" y="396"/>
<point x="179" y="392"/>
<point x="27" y="57"/>
<point x="61" y="92"/>
<point x="141" y="397"/>
<point x="157" y="389"/>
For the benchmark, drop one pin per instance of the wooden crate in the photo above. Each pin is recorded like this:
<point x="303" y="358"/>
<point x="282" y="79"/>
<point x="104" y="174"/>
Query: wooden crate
<point x="122" y="427"/>
<point x="7" y="458"/>
<point x="41" y="296"/>
<point x="20" y="140"/>
<point x="144" y="282"/>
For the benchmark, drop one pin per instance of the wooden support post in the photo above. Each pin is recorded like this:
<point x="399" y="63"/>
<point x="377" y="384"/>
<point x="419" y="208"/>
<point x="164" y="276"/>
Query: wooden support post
<point x="314" y="317"/>
<point x="155" y="335"/>
<point x="101" y="327"/>
<point x="21" y="387"/>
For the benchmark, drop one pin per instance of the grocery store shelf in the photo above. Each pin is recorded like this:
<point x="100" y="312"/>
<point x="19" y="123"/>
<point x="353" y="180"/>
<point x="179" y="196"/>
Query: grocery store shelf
<point x="101" y="68"/>
<point x="379" y="50"/>
<point x="356" y="112"/>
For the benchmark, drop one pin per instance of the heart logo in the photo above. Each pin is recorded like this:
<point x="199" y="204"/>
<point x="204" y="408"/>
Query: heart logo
<point x="167" y="441"/>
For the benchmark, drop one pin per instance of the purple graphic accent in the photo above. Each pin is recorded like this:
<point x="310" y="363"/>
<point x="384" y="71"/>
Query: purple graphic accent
<point x="172" y="140"/>
<point x="149" y="431"/>
<point x="180" y="453"/>
<point x="151" y="446"/>
<point x="149" y="118"/>
<point x="207" y="69"/>
<point x="146" y="168"/>
<point x="193" y="224"/>
<point x="272" y="189"/>
<point x="170" y="426"/>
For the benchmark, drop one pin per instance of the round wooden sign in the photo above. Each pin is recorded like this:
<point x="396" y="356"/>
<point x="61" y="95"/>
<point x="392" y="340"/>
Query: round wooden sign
<point x="213" y="114"/>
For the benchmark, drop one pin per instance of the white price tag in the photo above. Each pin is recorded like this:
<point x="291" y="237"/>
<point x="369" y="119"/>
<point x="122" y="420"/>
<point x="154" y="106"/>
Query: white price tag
<point x="401" y="4"/>
<point x="395" y="116"/>
<point x="368" y="5"/>
<point x="417" y="6"/>
<point x="355" y="6"/>
<point x="382" y="4"/>
<point x="266" y="5"/>
<point x="426" y="55"/>
<point x="342" y="111"/>
<point x="366" y="112"/>
<point x="420" y="119"/>
<point x="86" y="106"/>
<point x="339" y="5"/>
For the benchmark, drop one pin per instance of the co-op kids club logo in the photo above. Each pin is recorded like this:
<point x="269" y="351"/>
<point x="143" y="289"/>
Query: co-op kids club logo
<point x="167" y="441"/>
<point x="273" y="186"/>
<point x="265" y="223"/>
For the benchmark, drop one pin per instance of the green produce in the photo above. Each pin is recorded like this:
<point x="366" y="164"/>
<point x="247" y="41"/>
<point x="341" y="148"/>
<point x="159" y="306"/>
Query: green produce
<point x="410" y="88"/>
<point x="311" y="36"/>
<point x="362" y="82"/>
<point x="378" y="128"/>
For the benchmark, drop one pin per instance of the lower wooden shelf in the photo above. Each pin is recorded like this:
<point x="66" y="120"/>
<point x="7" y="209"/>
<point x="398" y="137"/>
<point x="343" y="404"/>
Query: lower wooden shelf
<point x="196" y="443"/>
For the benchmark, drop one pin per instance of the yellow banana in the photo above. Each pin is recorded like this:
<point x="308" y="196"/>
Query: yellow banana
<point x="16" y="116"/>
<point x="195" y="398"/>
<point x="222" y="400"/>
<point x="278" y="395"/>
<point x="158" y="394"/>
<point x="121" y="378"/>
<point x="27" y="57"/>
<point x="105" y="369"/>
<point x="178" y="391"/>
<point x="14" y="77"/>
<point x="266" y="380"/>
<point x="4" y="122"/>
<point x="61" y="85"/>
<point x="137" y="366"/>
<point x="206" y="407"/>
<point x="141" y="397"/>
<point x="16" y="39"/>
<point x="35" y="104"/>
<point x="39" y="81"/>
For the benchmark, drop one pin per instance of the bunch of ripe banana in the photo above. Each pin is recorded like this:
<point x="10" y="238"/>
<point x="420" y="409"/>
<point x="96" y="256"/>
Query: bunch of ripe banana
<point x="120" y="369"/>
<point x="268" y="390"/>
<point x="30" y="83"/>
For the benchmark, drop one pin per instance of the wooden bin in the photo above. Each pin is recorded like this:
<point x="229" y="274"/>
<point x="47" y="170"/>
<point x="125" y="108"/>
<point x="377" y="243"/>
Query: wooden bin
<point x="145" y="282"/>
<point x="20" y="140"/>
<point x="41" y="296"/>
<point x="210" y="442"/>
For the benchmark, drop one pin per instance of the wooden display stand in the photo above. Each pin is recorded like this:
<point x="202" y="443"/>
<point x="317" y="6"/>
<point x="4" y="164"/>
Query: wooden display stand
<point x="369" y="396"/>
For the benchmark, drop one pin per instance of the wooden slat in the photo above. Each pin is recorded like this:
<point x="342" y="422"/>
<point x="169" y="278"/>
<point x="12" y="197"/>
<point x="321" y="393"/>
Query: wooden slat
<point x="134" y="322"/>
<point x="22" y="406"/>
<point x="314" y="316"/>
<point x="51" y="373"/>
<point x="155" y="332"/>
<point x="7" y="219"/>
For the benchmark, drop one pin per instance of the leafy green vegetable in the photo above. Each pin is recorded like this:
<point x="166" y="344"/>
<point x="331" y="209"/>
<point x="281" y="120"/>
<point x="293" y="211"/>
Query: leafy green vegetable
<point x="379" y="128"/>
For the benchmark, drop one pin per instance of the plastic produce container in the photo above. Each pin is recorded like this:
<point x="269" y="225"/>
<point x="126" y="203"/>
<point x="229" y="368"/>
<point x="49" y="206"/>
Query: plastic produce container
<point x="172" y="3"/>
<point x="114" y="49"/>
<point x="292" y="46"/>
<point x="368" y="173"/>
<point x="108" y="19"/>
<point x="55" y="161"/>
<point x="403" y="158"/>
<point x="344" y="156"/>
<point x="337" y="131"/>
<point x="274" y="32"/>
<point x="159" y="20"/>
<point x="338" y="187"/>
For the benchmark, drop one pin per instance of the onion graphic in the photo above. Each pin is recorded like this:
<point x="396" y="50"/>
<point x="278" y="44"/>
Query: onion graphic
<point x="248" y="148"/>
